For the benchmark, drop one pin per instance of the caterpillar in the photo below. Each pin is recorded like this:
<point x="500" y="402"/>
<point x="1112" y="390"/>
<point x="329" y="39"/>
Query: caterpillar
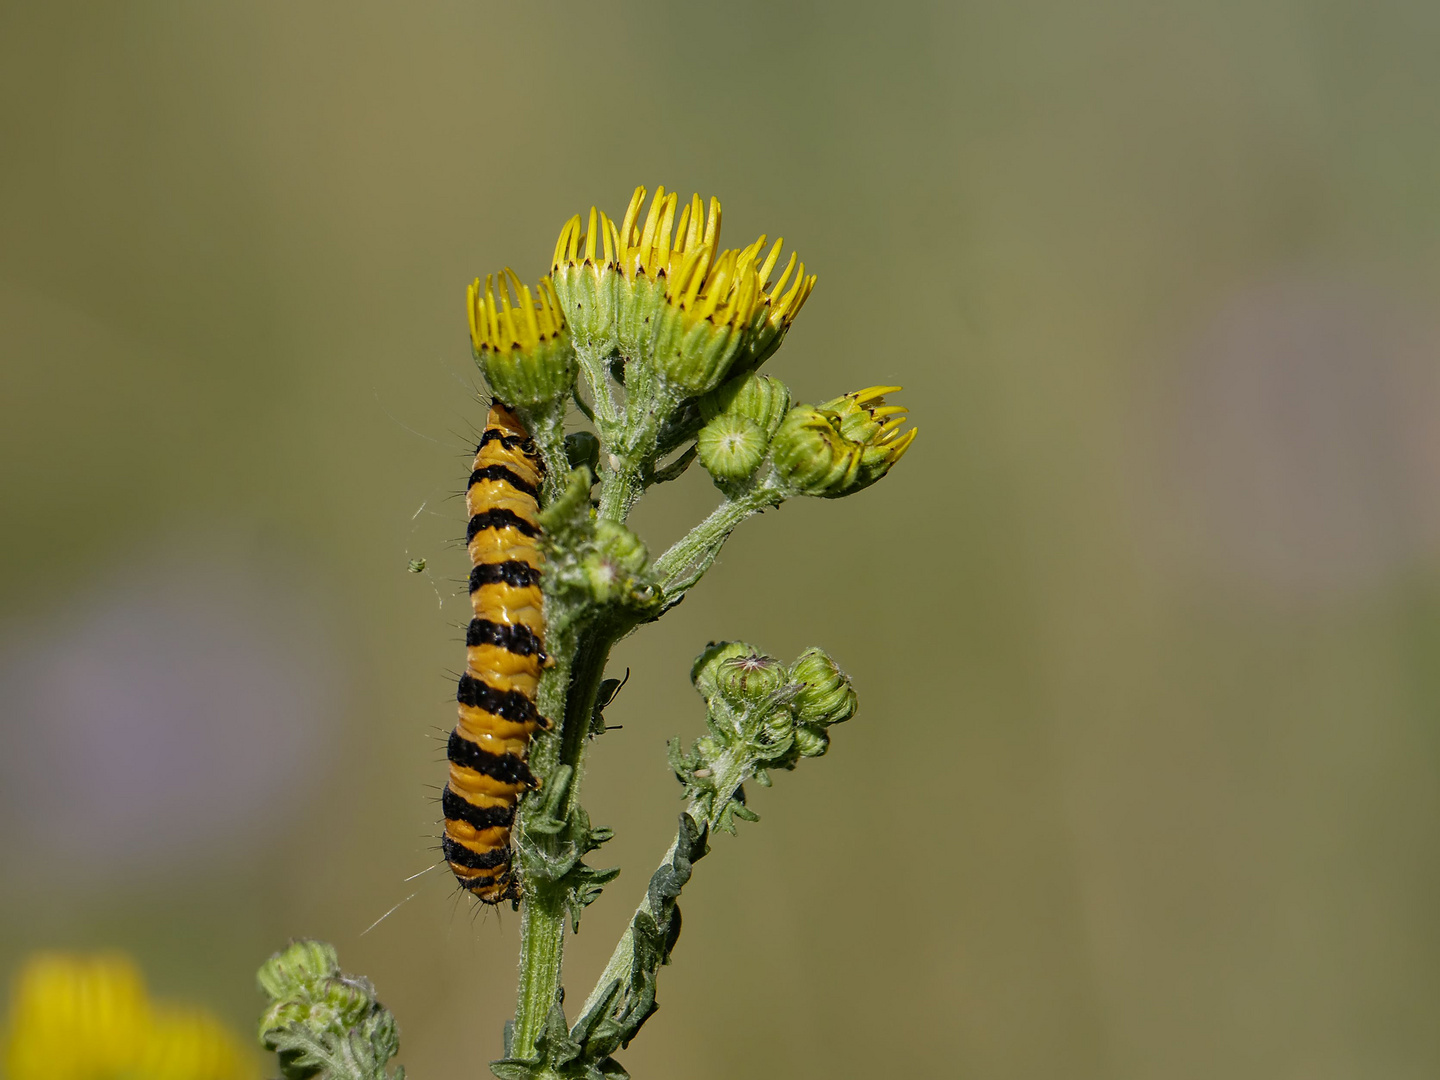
<point x="505" y="653"/>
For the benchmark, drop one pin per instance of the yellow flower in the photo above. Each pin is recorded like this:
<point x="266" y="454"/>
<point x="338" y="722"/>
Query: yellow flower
<point x="530" y="323"/>
<point x="89" y="1018"/>
<point x="524" y="350"/>
<point x="664" y="292"/>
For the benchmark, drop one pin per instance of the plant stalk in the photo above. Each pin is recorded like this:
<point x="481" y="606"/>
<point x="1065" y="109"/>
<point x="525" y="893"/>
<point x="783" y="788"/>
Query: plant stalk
<point x="730" y="774"/>
<point x="569" y="690"/>
<point x="690" y="556"/>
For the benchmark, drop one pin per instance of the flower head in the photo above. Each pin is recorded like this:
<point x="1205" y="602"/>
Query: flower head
<point x="89" y="1018"/>
<point x="524" y="348"/>
<point x="692" y="310"/>
<point x="841" y="446"/>
<point x="585" y="277"/>
<point x="777" y="304"/>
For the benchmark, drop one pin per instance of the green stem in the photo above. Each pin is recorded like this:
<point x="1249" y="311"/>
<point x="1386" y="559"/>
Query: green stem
<point x="542" y="918"/>
<point x="542" y="954"/>
<point x="542" y="915"/>
<point x="567" y="691"/>
<point x="602" y="401"/>
<point x="730" y="773"/>
<point x="547" y="427"/>
<point x="620" y="487"/>
<point x="686" y="562"/>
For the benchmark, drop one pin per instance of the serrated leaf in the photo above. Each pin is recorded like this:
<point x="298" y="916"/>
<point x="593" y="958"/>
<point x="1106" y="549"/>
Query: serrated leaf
<point x="514" y="1068"/>
<point x="586" y="1023"/>
<point x="610" y="1069"/>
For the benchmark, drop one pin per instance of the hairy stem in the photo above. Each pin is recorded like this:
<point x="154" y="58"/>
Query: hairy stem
<point x="542" y="953"/>
<point x="686" y="562"/>
<point x="730" y="773"/>
<point x="567" y="693"/>
<point x="602" y="401"/>
<point x="547" y="428"/>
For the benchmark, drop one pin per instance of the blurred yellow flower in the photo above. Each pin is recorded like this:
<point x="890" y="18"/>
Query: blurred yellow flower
<point x="89" y="1018"/>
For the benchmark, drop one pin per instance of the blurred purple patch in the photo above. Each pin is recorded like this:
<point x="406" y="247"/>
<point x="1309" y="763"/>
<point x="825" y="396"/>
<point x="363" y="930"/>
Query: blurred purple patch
<point x="174" y="712"/>
<point x="1307" y="430"/>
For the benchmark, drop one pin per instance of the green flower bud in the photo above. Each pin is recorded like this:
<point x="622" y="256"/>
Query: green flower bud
<point x="524" y="351"/>
<point x="842" y="446"/>
<point x="811" y="742"/>
<point x="618" y="556"/>
<point x="586" y="286"/>
<point x="706" y="669"/>
<point x="301" y="963"/>
<point x="780" y="726"/>
<point x="752" y="678"/>
<point x="730" y="447"/>
<point x="825" y="696"/>
<point x="761" y="399"/>
<point x="583" y="448"/>
<point x="309" y="991"/>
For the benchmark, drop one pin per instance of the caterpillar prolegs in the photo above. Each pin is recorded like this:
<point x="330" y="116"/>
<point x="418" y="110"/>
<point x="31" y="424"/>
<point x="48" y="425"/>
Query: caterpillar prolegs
<point x="505" y="652"/>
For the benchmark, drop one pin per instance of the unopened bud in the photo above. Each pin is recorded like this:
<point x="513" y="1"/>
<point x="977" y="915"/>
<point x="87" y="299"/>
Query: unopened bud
<point x="307" y="987"/>
<point x="811" y="742"/>
<point x="705" y="671"/>
<point x="825" y="696"/>
<point x="753" y="678"/>
<point x="730" y="447"/>
<point x="620" y="545"/>
<point x="619" y="555"/>
<point x="761" y="399"/>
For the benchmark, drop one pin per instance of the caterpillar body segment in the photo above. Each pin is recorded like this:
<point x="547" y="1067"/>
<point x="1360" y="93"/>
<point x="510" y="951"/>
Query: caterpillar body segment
<point x="505" y="653"/>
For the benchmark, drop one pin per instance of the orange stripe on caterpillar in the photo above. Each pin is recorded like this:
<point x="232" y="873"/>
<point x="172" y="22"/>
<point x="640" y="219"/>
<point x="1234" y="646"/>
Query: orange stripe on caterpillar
<point x="505" y="654"/>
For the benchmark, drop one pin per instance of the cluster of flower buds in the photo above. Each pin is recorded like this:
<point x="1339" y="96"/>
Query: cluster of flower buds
<point x="841" y="446"/>
<point x="318" y="1014"/>
<point x="762" y="714"/>
<point x="524" y="348"/>
<point x="663" y="293"/>
<point x="741" y="418"/>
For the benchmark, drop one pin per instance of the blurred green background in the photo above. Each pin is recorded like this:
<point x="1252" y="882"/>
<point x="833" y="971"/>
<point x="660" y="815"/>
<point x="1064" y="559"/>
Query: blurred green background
<point x="1145" y="627"/>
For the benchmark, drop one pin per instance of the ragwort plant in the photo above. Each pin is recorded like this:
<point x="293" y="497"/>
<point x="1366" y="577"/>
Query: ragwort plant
<point x="656" y="334"/>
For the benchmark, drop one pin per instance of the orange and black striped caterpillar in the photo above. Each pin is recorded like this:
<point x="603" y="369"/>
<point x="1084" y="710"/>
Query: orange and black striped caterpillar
<point x="505" y="652"/>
